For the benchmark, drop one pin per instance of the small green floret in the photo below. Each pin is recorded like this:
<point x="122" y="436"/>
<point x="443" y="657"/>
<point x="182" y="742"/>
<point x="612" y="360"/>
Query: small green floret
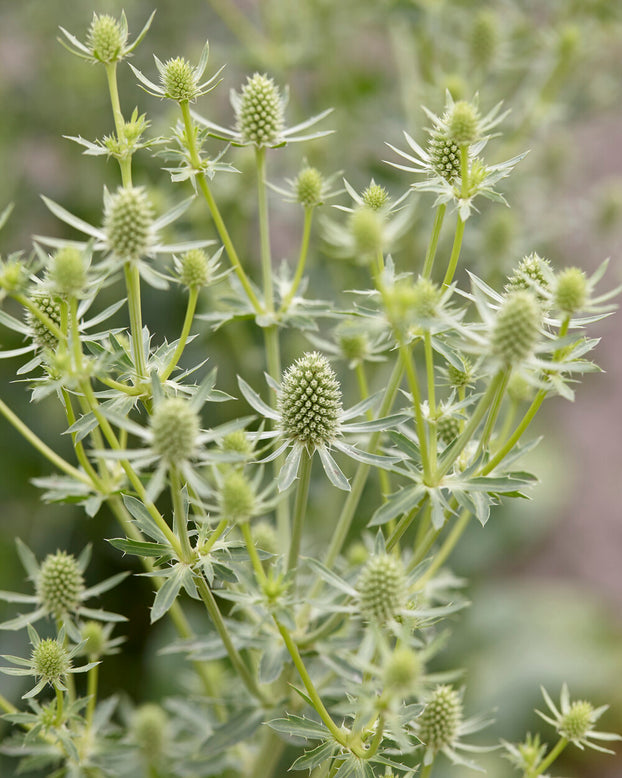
<point x="577" y="722"/>
<point x="382" y="589"/>
<point x="68" y="271"/>
<point x="447" y="429"/>
<point x="105" y="38"/>
<point x="50" y="661"/>
<point x="60" y="584"/>
<point x="41" y="335"/>
<point x="441" y="717"/>
<point x="179" y="80"/>
<point x="516" y="329"/>
<point x="308" y="186"/>
<point x="148" y="728"/>
<point x="194" y="272"/>
<point x="310" y="401"/>
<point x="375" y="197"/>
<point x="463" y="123"/>
<point x="444" y="155"/>
<point x="128" y="223"/>
<point x="259" y="111"/>
<point x="367" y="229"/>
<point x="484" y="38"/>
<point x="95" y="636"/>
<point x="236" y="497"/>
<point x="571" y="290"/>
<point x="402" y="671"/>
<point x="175" y="427"/>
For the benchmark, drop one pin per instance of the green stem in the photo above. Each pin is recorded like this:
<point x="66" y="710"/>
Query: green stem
<point x="517" y="434"/>
<point x="236" y="660"/>
<point x="41" y="447"/>
<point x="193" y="296"/>
<point x="433" y="244"/>
<point x="220" y="528"/>
<point x="60" y="699"/>
<point x="91" y="692"/>
<point x="119" y="122"/>
<point x="429" y="367"/>
<point x="559" y="747"/>
<point x="269" y="755"/>
<point x="403" y="524"/>
<point x="213" y="208"/>
<point x="413" y="385"/>
<point x="6" y="706"/>
<point x="446" y="549"/>
<point x="302" y="259"/>
<point x="493" y="414"/>
<point x="455" y="252"/>
<point x="52" y="326"/>
<point x="377" y="739"/>
<point x="385" y="484"/>
<point x="181" y="528"/>
<point x="300" y="508"/>
<point x="426" y="771"/>
<point x="264" y="229"/>
<point x="465" y="436"/>
<point x="260" y="573"/>
<point x="132" y="285"/>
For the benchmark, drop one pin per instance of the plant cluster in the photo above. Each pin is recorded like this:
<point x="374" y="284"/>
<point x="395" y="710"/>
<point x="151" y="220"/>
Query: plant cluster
<point x="310" y="653"/>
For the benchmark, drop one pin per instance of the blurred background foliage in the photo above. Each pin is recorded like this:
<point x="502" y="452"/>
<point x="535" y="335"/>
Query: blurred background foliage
<point x="544" y="577"/>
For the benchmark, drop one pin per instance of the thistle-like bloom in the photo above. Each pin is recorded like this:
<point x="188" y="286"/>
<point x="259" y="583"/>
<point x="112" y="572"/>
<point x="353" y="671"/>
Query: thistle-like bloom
<point x="442" y="725"/>
<point x="575" y="721"/>
<point x="106" y="39"/>
<point x="180" y="81"/>
<point x="60" y="591"/>
<point x="310" y="418"/>
<point x="460" y="129"/>
<point x="50" y="663"/>
<point x="260" y="117"/>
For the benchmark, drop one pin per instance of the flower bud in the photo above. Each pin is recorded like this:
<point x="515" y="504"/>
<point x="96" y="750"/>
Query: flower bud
<point x="447" y="429"/>
<point x="13" y="275"/>
<point x="236" y="497"/>
<point x="441" y="717"/>
<point x="530" y="273"/>
<point x="310" y="401"/>
<point x="175" y="427"/>
<point x="382" y="588"/>
<point x="484" y="39"/>
<point x="444" y="155"/>
<point x="519" y="390"/>
<point x="515" y="331"/>
<point x="60" y="584"/>
<point x="179" y="80"/>
<point x="460" y="378"/>
<point x="128" y="223"/>
<point x="353" y="345"/>
<point x="194" y="271"/>
<point x="41" y="335"/>
<point x="577" y="721"/>
<point x="375" y="197"/>
<point x="265" y="537"/>
<point x="105" y="38"/>
<point x="50" y="661"/>
<point x="463" y="123"/>
<point x="237" y="442"/>
<point x="148" y="728"/>
<point x="308" y="186"/>
<point x="571" y="290"/>
<point x="402" y="671"/>
<point x="94" y="634"/>
<point x="68" y="272"/>
<point x="259" y="111"/>
<point x="367" y="228"/>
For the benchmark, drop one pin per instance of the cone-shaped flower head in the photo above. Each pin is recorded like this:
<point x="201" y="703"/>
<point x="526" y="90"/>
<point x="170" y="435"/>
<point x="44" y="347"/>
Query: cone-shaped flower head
<point x="310" y="401"/>
<point x="148" y="728"/>
<point x="441" y="718"/>
<point x="236" y="497"/>
<point x="195" y="270"/>
<point x="179" y="80"/>
<point x="515" y="331"/>
<point x="95" y="636"/>
<point x="128" y="223"/>
<point x="308" y="186"/>
<point x="571" y="290"/>
<point x="50" y="661"/>
<point x="444" y="155"/>
<point x="402" y="670"/>
<point x="375" y="196"/>
<point x="367" y="228"/>
<point x="447" y="429"/>
<point x="105" y="38"/>
<point x="68" y="271"/>
<point x="382" y="588"/>
<point x="484" y="38"/>
<point x="577" y="721"/>
<point x="41" y="335"/>
<point x="463" y="123"/>
<point x="175" y="427"/>
<point x="259" y="112"/>
<point x="60" y="584"/>
<point x="530" y="273"/>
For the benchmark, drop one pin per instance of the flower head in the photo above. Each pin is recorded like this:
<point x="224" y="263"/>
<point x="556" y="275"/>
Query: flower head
<point x="309" y="417"/>
<point x="382" y="588"/>
<point x="260" y="117"/>
<point x="106" y="39"/>
<point x="575" y="721"/>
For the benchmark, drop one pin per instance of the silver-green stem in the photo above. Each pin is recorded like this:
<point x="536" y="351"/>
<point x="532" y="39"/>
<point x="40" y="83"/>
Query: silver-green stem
<point x="302" y="259"/>
<point x="132" y="285"/>
<point x="193" y="296"/>
<point x="300" y="509"/>
<point x="433" y="244"/>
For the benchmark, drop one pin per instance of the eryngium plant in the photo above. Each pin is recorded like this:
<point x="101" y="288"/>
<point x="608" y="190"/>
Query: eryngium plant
<point x="308" y="652"/>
